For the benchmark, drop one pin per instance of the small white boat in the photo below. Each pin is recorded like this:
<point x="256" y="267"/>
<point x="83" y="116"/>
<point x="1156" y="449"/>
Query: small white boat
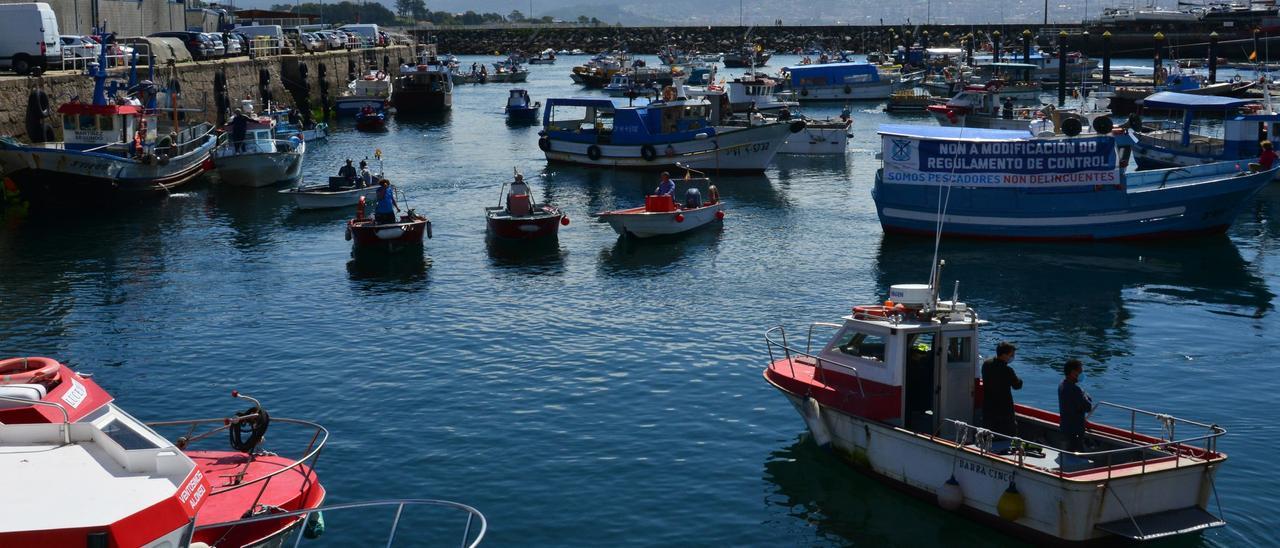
<point x="337" y="193"/>
<point x="372" y="90"/>
<point x="260" y="159"/>
<point x="820" y="137"/>
<point x="661" y="216"/>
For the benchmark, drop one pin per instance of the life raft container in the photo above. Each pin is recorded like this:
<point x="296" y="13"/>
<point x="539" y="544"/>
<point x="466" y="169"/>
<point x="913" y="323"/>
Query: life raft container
<point x="29" y="370"/>
<point x="875" y="311"/>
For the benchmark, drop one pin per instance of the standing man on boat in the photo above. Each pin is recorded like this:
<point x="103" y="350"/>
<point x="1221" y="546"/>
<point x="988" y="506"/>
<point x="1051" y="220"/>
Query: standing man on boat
<point x="1074" y="405"/>
<point x="387" y="207"/>
<point x="998" y="383"/>
<point x="239" y="127"/>
<point x="666" y="187"/>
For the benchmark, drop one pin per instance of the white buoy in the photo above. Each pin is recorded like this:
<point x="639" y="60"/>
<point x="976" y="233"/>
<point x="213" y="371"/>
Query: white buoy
<point x="813" y="417"/>
<point x="950" y="496"/>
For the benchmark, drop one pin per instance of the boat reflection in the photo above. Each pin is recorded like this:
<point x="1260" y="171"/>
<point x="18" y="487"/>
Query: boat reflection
<point x="541" y="256"/>
<point x="380" y="272"/>
<point x="1080" y="289"/>
<point x="633" y="256"/>
<point x="822" y="501"/>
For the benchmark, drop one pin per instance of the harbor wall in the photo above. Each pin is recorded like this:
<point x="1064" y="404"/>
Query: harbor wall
<point x="196" y="80"/>
<point x="1236" y="43"/>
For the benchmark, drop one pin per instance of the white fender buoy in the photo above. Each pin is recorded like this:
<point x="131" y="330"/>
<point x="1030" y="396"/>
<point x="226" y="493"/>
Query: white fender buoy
<point x="950" y="496"/>
<point x="813" y="417"/>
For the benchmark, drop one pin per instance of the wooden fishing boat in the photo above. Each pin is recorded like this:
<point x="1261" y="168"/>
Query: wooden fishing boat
<point x="519" y="217"/>
<point x="661" y="216"/>
<point x="366" y="233"/>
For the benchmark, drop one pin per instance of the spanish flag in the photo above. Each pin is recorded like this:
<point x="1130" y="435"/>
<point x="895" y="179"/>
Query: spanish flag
<point x="1253" y="56"/>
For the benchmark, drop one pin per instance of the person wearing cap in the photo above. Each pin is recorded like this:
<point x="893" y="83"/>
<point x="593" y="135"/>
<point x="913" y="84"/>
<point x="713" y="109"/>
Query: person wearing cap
<point x="239" y="127"/>
<point x="366" y="177"/>
<point x="386" y="210"/>
<point x="348" y="172"/>
<point x="1074" y="406"/>
<point x="998" y="383"/>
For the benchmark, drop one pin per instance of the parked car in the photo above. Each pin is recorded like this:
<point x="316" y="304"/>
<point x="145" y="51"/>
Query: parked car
<point x="265" y="36"/>
<point x="197" y="44"/>
<point x="236" y="44"/>
<point x="334" y="39"/>
<point x="367" y="32"/>
<point x="29" y="39"/>
<point x="79" y="46"/>
<point x="311" y="42"/>
<point x="219" y="47"/>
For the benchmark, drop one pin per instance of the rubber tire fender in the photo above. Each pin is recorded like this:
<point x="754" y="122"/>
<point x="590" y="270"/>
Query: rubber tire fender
<point x="648" y="153"/>
<point x="797" y="126"/>
<point x="847" y="89"/>
<point x="544" y="144"/>
<point x="1102" y="125"/>
<point x="1072" y="127"/>
<point x="593" y="152"/>
<point x="804" y="92"/>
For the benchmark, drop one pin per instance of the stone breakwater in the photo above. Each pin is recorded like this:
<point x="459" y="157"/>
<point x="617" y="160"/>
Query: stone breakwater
<point x="282" y="75"/>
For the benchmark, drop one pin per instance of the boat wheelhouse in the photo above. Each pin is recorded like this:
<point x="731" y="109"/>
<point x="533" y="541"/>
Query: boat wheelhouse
<point x="892" y="388"/>
<point x="838" y="81"/>
<point x="1078" y="66"/>
<point x="662" y="134"/>
<point x="260" y="159"/>
<point x="425" y="87"/>
<point x="371" y="90"/>
<point x="1202" y="129"/>
<point x="986" y="106"/>
<point x="1011" y="185"/>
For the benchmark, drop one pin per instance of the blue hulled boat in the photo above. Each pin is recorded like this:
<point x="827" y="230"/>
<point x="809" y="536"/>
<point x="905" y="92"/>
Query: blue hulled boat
<point x="1174" y="142"/>
<point x="520" y="108"/>
<point x="1010" y="185"/>
<point x="838" y="82"/>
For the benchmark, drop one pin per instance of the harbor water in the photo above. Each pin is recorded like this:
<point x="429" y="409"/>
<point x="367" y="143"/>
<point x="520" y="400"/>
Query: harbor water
<point x="605" y="392"/>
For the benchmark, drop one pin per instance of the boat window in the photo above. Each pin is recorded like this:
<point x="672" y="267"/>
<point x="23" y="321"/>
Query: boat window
<point x="861" y="345"/>
<point x="567" y="118"/>
<point x="814" y="81"/>
<point x="87" y="122"/>
<point x="958" y="349"/>
<point x="68" y="121"/>
<point x="126" y="436"/>
<point x="106" y="123"/>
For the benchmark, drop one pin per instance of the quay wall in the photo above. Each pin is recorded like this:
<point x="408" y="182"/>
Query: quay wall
<point x="196" y="80"/>
<point x="1236" y="43"/>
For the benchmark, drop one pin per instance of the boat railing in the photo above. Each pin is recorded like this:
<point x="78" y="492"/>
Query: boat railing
<point x="795" y="354"/>
<point x="1147" y="447"/>
<point x="253" y="146"/>
<point x="472" y="534"/>
<point x="66" y="418"/>
<point x="319" y="435"/>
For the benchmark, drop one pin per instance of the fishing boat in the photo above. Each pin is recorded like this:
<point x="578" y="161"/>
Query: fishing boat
<point x="1176" y="79"/>
<point x="838" y="82"/>
<point x="914" y="99"/>
<point x="1046" y="65"/>
<point x="369" y="119"/>
<point x="658" y="135"/>
<point x="598" y="70"/>
<point x="307" y="130"/>
<point x="372" y="90"/>
<point x="662" y="216"/>
<point x="518" y="217"/>
<point x="116" y="147"/>
<point x="370" y="234"/>
<point x="745" y="57"/>
<point x="893" y="391"/>
<point x="215" y="483"/>
<point x="340" y="191"/>
<point x="820" y="137"/>
<point x="1012" y="185"/>
<point x="986" y="106"/>
<point x="260" y="159"/>
<point x="425" y="87"/>
<point x="1202" y="129"/>
<point x="547" y="57"/>
<point x="520" y="108"/>
<point x="508" y="72"/>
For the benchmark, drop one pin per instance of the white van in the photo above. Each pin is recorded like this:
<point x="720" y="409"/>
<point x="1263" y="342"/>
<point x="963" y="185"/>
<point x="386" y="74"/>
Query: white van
<point x="273" y="35"/>
<point x="367" y="32"/>
<point x="29" y="37"/>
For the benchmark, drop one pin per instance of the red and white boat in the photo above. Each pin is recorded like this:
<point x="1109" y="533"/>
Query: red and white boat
<point x="518" y="217"/>
<point x="366" y="233"/>
<point x="121" y="481"/>
<point x="894" y="393"/>
<point x="661" y="216"/>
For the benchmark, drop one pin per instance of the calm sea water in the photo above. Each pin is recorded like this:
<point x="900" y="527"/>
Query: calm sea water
<point x="597" y="392"/>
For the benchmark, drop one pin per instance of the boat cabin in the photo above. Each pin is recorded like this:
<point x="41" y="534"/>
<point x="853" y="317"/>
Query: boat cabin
<point x="107" y="127"/>
<point x="601" y="121"/>
<point x="1008" y="72"/>
<point x="1209" y="127"/>
<point x="832" y="74"/>
<point x="519" y="99"/>
<point x="371" y="85"/>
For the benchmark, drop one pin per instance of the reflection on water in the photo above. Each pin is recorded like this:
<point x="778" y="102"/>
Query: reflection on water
<point x="377" y="271"/>
<point x="812" y="489"/>
<point x="252" y="213"/>
<point x="631" y="256"/>
<point x="539" y="256"/>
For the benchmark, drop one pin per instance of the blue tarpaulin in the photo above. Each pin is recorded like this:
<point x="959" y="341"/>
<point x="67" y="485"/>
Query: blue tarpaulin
<point x="954" y="133"/>
<point x="1186" y="101"/>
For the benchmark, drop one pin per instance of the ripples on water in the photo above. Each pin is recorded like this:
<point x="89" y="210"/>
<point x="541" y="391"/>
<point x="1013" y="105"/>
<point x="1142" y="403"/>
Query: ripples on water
<point x="597" y="391"/>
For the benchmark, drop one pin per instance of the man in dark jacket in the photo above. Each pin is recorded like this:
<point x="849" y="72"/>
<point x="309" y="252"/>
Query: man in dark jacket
<point x="998" y="383"/>
<point x="239" y="128"/>
<point x="1074" y="405"/>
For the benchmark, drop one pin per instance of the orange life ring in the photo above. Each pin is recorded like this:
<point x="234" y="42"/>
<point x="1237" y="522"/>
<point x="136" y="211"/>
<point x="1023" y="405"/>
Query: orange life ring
<point x="873" y="311"/>
<point x="29" y="370"/>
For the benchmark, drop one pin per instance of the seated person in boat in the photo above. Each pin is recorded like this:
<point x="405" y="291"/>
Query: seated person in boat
<point x="348" y="171"/>
<point x="998" y="383"/>
<point x="666" y="187"/>
<point x="366" y="177"/>
<point x="386" y="210"/>
<point x="1266" y="159"/>
<point x="1074" y="405"/>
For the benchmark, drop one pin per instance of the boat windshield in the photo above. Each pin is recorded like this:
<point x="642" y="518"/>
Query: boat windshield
<point x="852" y="342"/>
